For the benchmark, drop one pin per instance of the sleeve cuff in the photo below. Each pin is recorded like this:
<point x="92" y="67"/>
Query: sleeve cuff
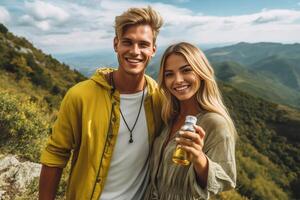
<point x="54" y="160"/>
<point x="217" y="181"/>
<point x="197" y="190"/>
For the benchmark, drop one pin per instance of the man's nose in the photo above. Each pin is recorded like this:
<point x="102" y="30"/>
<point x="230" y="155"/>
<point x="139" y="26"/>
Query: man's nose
<point x="135" y="50"/>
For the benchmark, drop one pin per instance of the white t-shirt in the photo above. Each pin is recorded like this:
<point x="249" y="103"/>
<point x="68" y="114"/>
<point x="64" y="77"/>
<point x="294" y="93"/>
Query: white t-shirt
<point x="128" y="173"/>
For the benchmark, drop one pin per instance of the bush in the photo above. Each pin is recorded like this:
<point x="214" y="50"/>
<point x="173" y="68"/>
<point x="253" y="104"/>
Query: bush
<point x="23" y="125"/>
<point x="52" y="101"/>
<point x="3" y="29"/>
<point x="41" y="79"/>
<point x="55" y="90"/>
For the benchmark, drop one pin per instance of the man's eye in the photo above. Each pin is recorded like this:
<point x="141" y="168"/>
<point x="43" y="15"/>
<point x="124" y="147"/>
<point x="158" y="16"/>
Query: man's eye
<point x="126" y="43"/>
<point x="144" y="45"/>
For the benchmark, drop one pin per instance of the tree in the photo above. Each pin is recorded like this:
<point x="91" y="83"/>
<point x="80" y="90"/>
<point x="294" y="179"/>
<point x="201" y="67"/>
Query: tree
<point x="3" y="29"/>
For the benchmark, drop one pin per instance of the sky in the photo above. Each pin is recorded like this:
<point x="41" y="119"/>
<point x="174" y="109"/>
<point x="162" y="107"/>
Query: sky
<point x="64" y="26"/>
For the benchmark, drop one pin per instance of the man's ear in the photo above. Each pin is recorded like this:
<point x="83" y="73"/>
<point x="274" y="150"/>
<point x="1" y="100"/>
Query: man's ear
<point x="154" y="51"/>
<point x="116" y="40"/>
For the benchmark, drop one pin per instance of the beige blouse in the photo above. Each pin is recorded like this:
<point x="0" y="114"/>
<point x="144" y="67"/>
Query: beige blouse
<point x="169" y="181"/>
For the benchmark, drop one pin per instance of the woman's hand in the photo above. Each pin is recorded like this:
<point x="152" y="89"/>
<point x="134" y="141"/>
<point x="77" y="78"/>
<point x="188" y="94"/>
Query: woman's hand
<point x="192" y="143"/>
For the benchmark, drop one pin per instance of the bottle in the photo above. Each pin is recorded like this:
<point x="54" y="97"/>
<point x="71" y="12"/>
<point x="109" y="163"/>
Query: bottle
<point x="179" y="155"/>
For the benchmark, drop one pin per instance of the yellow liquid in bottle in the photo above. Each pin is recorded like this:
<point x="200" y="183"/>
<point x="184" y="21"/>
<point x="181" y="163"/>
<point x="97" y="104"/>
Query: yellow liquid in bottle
<point x="180" y="157"/>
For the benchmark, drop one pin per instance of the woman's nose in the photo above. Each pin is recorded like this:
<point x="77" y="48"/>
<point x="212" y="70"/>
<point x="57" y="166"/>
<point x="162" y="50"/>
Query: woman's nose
<point x="178" y="78"/>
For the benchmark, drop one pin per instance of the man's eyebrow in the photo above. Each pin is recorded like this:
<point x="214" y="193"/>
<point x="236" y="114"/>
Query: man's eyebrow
<point x="129" y="39"/>
<point x="126" y="39"/>
<point x="145" y="41"/>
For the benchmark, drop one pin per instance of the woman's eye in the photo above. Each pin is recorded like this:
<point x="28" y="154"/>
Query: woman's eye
<point x="187" y="70"/>
<point x="168" y="74"/>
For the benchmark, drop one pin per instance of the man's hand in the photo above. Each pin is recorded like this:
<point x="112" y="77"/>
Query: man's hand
<point x="49" y="180"/>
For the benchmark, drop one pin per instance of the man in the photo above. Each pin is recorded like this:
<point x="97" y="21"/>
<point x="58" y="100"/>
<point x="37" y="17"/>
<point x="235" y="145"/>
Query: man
<point x="109" y="121"/>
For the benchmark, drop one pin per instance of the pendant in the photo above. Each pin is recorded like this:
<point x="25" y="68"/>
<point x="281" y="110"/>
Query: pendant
<point x="131" y="140"/>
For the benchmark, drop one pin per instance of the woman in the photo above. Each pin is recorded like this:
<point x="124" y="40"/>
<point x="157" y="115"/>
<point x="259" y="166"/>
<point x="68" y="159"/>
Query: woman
<point x="188" y="85"/>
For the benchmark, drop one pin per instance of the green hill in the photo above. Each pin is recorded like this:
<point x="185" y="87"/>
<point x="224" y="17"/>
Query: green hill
<point x="227" y="71"/>
<point x="265" y="82"/>
<point x="285" y="70"/>
<point x="27" y="69"/>
<point x="275" y="60"/>
<point x="273" y="133"/>
<point x="32" y="85"/>
<point x="247" y="53"/>
<point x="270" y="70"/>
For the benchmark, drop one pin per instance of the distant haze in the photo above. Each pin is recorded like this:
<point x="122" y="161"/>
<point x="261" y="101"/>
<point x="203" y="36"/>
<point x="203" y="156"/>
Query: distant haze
<point x="88" y="61"/>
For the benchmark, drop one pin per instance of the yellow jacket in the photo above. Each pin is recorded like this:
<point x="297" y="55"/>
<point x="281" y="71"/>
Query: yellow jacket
<point x="83" y="127"/>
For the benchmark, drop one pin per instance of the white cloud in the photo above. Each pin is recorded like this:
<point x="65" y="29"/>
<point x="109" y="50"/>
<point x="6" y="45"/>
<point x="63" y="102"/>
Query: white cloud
<point x="277" y="16"/>
<point x="27" y="20"/>
<point x="77" y="40"/>
<point x="267" y="25"/>
<point x="73" y="26"/>
<point x="43" y="15"/>
<point x="44" y="11"/>
<point x="4" y="15"/>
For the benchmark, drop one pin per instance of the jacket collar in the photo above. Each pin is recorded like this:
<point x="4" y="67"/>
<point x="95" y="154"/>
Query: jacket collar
<point x="100" y="74"/>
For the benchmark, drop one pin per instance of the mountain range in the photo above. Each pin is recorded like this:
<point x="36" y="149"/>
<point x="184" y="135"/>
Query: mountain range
<point x="267" y="70"/>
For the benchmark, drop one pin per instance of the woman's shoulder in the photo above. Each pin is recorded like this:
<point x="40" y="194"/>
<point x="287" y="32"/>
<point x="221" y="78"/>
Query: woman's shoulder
<point x="212" y="119"/>
<point x="215" y="126"/>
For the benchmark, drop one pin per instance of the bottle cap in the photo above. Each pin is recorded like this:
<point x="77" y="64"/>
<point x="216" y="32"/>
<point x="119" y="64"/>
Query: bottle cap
<point x="191" y="119"/>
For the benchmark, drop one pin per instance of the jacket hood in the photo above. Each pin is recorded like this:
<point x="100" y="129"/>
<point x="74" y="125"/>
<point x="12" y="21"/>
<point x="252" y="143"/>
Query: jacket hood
<point x="99" y="77"/>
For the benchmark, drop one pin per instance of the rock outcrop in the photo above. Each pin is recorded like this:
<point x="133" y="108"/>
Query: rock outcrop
<point x="15" y="176"/>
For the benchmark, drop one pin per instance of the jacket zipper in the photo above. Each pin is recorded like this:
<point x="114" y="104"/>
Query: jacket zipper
<point x="104" y="150"/>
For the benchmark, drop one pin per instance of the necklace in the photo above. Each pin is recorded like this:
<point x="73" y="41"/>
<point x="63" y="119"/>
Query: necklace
<point x="138" y="115"/>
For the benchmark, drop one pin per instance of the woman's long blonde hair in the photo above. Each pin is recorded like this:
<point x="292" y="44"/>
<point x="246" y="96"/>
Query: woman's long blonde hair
<point x="208" y="95"/>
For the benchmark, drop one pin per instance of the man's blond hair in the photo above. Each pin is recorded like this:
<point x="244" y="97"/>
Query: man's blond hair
<point x="138" y="16"/>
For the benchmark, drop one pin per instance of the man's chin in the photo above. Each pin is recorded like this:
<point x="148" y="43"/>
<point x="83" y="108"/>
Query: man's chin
<point x="137" y="71"/>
